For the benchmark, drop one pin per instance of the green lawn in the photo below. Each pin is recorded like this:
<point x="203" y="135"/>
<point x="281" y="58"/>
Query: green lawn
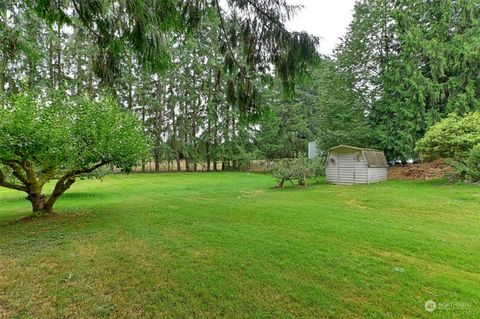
<point x="226" y="245"/>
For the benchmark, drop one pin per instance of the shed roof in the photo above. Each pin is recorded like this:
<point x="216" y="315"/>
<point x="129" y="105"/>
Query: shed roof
<point x="354" y="148"/>
<point x="373" y="157"/>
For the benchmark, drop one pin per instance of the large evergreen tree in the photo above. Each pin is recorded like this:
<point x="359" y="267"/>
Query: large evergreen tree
<point x="414" y="62"/>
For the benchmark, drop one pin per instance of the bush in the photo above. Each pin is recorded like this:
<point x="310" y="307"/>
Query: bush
<point x="473" y="164"/>
<point x="298" y="169"/>
<point x="457" y="139"/>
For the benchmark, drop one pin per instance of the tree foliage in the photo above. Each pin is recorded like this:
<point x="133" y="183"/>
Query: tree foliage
<point x="142" y="27"/>
<point x="287" y="123"/>
<point x="325" y="109"/>
<point x="298" y="169"/>
<point x="414" y="62"/>
<point x="63" y="138"/>
<point x="340" y="116"/>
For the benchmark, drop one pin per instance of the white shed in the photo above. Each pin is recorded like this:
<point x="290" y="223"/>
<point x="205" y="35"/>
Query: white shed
<point x="354" y="165"/>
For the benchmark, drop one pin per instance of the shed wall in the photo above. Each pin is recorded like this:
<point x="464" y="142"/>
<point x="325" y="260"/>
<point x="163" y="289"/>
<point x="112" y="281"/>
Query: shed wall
<point x="377" y="174"/>
<point x="348" y="168"/>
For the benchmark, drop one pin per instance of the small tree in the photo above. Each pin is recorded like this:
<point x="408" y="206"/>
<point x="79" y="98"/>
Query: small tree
<point x="63" y="138"/>
<point x="457" y="139"/>
<point x="299" y="169"/>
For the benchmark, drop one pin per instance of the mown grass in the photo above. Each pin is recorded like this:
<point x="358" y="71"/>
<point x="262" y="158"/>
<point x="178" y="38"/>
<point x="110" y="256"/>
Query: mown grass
<point x="226" y="245"/>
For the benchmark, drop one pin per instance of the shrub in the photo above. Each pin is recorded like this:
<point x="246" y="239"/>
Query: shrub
<point x="473" y="164"/>
<point x="457" y="139"/>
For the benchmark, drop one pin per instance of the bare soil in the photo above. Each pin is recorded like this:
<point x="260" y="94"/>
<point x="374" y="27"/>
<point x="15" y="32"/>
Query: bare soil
<point x="421" y="171"/>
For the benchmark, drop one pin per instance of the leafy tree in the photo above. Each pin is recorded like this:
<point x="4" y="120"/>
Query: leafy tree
<point x="63" y="138"/>
<point x="456" y="138"/>
<point x="196" y="100"/>
<point x="299" y="169"/>
<point x="473" y="164"/>
<point x="283" y="131"/>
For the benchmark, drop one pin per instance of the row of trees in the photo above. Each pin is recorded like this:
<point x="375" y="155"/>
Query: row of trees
<point x="402" y="67"/>
<point x="203" y="103"/>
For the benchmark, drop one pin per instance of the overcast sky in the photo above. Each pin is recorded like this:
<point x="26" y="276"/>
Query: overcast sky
<point x="326" y="19"/>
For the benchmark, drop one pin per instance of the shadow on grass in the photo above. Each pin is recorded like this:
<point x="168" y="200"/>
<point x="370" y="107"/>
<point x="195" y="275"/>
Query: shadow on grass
<point x="31" y="235"/>
<point x="65" y="216"/>
<point x="289" y="186"/>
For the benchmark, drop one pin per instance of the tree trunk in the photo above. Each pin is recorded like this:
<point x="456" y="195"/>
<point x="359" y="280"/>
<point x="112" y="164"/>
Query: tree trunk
<point x="303" y="181"/>
<point x="280" y="184"/>
<point x="61" y="187"/>
<point x="177" y="158"/>
<point x="157" y="163"/>
<point x="158" y="126"/>
<point x="38" y="204"/>
<point x="144" y="116"/>
<point x="3" y="59"/>
<point x="59" y="55"/>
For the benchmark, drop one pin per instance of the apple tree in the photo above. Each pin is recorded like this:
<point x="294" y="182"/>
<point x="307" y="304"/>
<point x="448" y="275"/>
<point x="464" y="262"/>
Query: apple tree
<point x="61" y="138"/>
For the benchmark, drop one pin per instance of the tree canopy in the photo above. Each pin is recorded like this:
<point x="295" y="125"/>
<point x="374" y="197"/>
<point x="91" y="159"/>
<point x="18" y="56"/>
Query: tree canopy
<point x="63" y="138"/>
<point x="143" y="27"/>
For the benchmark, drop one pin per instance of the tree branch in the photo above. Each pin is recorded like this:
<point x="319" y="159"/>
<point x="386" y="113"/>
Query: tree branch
<point x="4" y="183"/>
<point x="46" y="175"/>
<point x="17" y="170"/>
<point x="224" y="32"/>
<point x="82" y="18"/>
<point x="77" y="172"/>
<point x="67" y="180"/>
<point x="265" y="14"/>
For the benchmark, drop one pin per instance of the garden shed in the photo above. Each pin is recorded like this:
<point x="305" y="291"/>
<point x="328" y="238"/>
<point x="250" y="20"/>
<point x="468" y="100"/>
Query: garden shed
<point x="354" y="165"/>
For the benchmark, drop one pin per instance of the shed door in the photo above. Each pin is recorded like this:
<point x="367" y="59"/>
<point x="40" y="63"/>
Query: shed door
<point x="332" y="168"/>
<point x="346" y="167"/>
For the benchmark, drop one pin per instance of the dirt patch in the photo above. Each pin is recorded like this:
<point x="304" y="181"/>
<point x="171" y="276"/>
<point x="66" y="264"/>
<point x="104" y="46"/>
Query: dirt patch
<point x="421" y="171"/>
<point x="31" y="218"/>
